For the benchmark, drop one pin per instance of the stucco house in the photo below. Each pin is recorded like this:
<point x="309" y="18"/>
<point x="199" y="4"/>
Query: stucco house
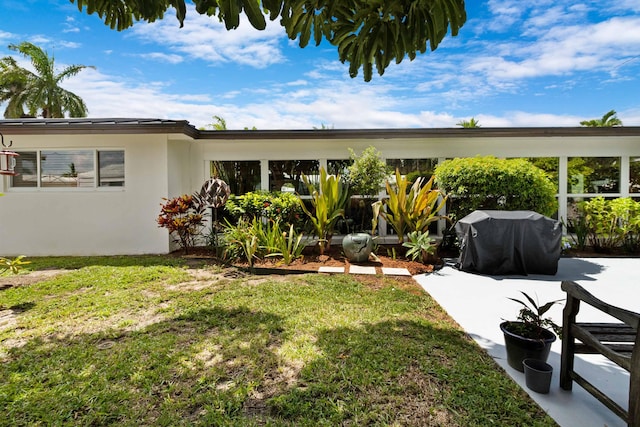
<point x="94" y="186"/>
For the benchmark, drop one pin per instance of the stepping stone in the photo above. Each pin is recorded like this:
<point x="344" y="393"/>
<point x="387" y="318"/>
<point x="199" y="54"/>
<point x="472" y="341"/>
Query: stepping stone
<point x="326" y="269"/>
<point x="358" y="269"/>
<point x="395" y="271"/>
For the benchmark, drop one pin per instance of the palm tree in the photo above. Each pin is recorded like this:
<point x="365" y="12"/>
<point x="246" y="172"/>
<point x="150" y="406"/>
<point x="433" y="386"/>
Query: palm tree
<point x="38" y="91"/>
<point x="13" y="83"/>
<point x="608" y="120"/>
<point x="472" y="123"/>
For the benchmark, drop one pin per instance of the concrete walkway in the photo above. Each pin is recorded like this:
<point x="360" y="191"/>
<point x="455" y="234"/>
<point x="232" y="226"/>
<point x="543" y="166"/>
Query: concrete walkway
<point x="480" y="303"/>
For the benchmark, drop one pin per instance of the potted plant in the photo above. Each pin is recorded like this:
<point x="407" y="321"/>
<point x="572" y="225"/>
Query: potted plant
<point x="530" y="336"/>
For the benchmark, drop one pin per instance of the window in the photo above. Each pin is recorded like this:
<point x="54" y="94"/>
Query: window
<point x="419" y="167"/>
<point x="110" y="168"/>
<point x="241" y="176"/>
<point x="286" y="175"/>
<point x="69" y="169"/>
<point x="634" y="174"/>
<point x="339" y="167"/>
<point x="593" y="175"/>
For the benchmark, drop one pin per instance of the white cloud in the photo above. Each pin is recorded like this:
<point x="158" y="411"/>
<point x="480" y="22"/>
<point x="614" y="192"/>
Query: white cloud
<point x="207" y="39"/>
<point x="162" y="57"/>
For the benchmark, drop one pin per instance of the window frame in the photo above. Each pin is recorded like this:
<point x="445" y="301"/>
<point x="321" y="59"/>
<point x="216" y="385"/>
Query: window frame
<point x="95" y="158"/>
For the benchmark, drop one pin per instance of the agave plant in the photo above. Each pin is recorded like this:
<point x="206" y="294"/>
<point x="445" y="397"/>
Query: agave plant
<point x="328" y="202"/>
<point x="412" y="210"/>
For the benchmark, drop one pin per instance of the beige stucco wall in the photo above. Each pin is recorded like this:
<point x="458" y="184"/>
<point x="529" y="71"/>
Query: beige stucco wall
<point x="101" y="221"/>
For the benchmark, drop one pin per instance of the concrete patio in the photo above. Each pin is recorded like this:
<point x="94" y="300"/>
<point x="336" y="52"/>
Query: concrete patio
<point x="479" y="303"/>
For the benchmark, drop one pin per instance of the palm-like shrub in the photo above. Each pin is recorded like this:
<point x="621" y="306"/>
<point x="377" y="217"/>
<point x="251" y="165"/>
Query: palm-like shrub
<point x="410" y="208"/>
<point x="328" y="205"/>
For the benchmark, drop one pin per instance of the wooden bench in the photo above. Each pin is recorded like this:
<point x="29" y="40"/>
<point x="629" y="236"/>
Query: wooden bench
<point x="619" y="342"/>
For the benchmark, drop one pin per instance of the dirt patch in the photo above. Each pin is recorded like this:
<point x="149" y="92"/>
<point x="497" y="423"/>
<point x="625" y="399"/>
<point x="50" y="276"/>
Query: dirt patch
<point x="11" y="281"/>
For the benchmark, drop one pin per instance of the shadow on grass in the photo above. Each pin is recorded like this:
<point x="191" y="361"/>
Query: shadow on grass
<point x="404" y="373"/>
<point x="198" y="368"/>
<point x="220" y="366"/>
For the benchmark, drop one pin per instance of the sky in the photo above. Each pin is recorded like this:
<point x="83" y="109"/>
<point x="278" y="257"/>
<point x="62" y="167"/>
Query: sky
<point x="514" y="63"/>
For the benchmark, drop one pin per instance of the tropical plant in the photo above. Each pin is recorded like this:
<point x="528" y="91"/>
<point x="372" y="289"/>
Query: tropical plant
<point x="38" y="91"/>
<point x="240" y="240"/>
<point x="180" y="217"/>
<point x="490" y="183"/>
<point x="410" y="210"/>
<point x="364" y="32"/>
<point x="612" y="223"/>
<point x="253" y="239"/>
<point x="288" y="244"/>
<point x="328" y="205"/>
<point x="467" y="124"/>
<point x="13" y="266"/>
<point x="367" y="172"/>
<point x="609" y="119"/>
<point x="577" y="231"/>
<point x="276" y="206"/>
<point x="530" y="321"/>
<point x="420" y="245"/>
<point x="218" y="124"/>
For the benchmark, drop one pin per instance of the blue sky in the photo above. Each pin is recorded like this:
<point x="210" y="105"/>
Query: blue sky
<point x="514" y="63"/>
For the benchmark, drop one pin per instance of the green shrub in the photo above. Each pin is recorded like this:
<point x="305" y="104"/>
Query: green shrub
<point x="367" y="173"/>
<point x="491" y="183"/>
<point x="276" y="206"/>
<point x="612" y="223"/>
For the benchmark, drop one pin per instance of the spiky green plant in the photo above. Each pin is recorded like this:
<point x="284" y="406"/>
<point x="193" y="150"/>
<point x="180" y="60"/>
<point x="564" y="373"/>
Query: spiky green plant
<point x="410" y="210"/>
<point x="328" y="205"/>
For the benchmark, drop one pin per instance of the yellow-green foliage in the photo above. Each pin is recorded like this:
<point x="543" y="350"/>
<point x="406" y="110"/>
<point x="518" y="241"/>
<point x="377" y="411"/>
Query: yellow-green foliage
<point x="410" y="210"/>
<point x="491" y="183"/>
<point x="328" y="203"/>
<point x="613" y="223"/>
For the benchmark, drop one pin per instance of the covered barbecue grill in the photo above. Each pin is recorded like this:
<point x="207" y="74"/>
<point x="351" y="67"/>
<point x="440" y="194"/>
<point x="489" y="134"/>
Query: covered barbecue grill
<point x="509" y="242"/>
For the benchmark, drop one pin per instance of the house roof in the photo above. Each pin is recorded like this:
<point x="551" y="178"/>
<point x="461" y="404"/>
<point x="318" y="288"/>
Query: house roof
<point x="151" y="125"/>
<point x="101" y="125"/>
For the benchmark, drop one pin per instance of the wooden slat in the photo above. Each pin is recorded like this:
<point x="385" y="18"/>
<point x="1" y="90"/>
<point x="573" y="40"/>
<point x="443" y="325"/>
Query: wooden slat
<point x="591" y="341"/>
<point x="577" y="291"/>
<point x="619" y="342"/>
<point x="604" y="399"/>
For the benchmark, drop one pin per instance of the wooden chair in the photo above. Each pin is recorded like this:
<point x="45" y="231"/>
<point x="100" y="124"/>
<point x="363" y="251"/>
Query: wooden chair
<point x="619" y="342"/>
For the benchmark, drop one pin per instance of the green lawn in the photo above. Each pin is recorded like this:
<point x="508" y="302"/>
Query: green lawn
<point x="150" y="341"/>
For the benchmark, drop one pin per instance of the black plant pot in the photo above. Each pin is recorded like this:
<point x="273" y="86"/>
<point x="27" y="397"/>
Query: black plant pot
<point x="520" y="348"/>
<point x="537" y="375"/>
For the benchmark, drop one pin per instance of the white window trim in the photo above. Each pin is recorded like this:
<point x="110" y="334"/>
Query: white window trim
<point x="95" y="188"/>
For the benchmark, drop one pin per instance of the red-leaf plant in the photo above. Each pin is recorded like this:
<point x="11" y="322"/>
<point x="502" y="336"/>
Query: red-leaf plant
<point x="181" y="217"/>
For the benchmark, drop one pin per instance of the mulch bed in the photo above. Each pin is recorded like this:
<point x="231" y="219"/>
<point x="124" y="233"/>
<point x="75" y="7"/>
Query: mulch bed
<point x="312" y="260"/>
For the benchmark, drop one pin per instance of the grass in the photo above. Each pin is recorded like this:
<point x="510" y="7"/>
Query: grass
<point x="150" y="341"/>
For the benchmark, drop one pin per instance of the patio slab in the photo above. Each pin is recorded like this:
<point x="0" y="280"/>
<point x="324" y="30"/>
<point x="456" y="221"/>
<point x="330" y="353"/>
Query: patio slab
<point x="361" y="269"/>
<point x="395" y="271"/>
<point x="478" y="303"/>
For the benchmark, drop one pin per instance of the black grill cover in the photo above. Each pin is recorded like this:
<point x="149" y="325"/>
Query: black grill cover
<point x="509" y="242"/>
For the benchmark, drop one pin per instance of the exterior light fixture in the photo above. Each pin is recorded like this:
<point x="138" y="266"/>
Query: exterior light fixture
<point x="7" y="159"/>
